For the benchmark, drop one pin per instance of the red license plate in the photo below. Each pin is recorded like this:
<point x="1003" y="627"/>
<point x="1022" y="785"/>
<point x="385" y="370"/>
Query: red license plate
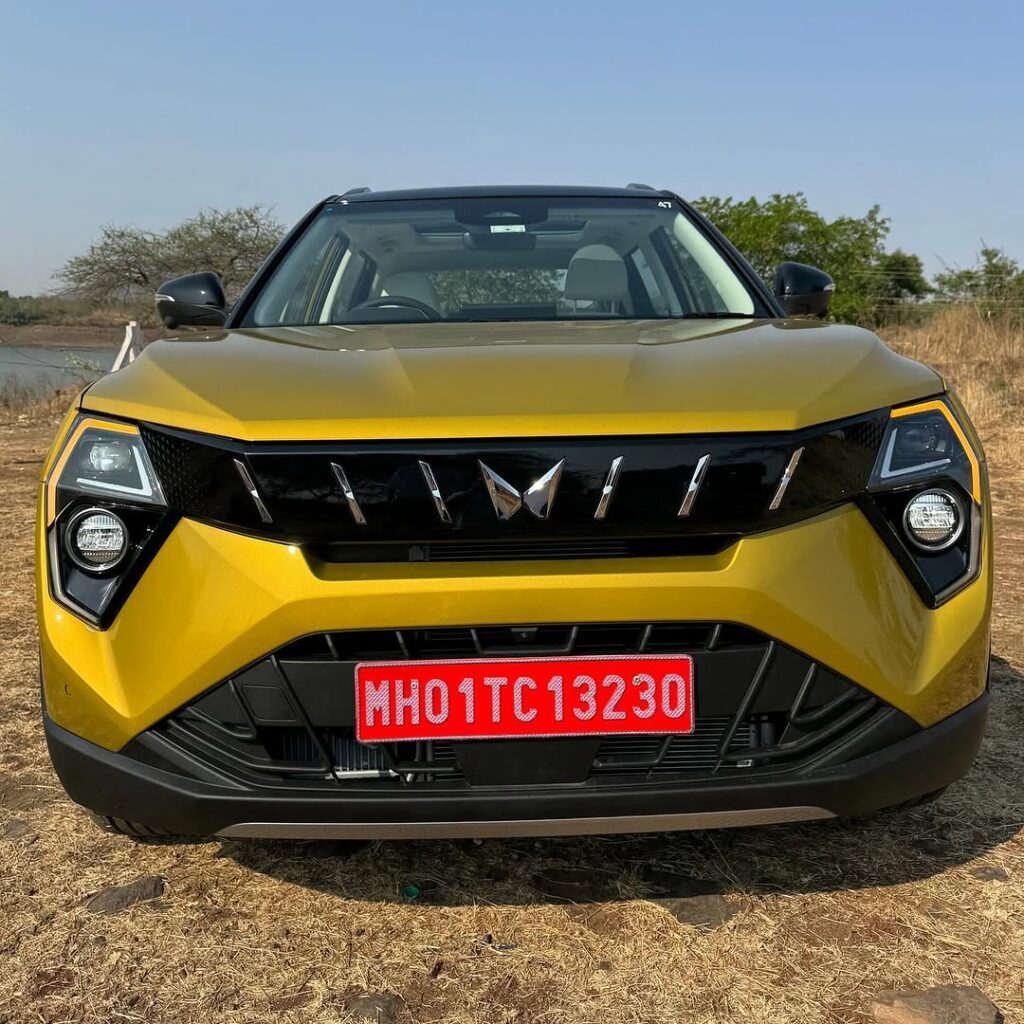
<point x="499" y="698"/>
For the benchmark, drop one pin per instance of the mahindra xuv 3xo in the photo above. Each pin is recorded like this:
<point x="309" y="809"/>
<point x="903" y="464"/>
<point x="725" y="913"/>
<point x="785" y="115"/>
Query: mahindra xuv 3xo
<point x="503" y="511"/>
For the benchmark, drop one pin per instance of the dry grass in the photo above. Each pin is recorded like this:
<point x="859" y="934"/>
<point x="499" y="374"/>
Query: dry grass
<point x="824" y="915"/>
<point x="981" y="357"/>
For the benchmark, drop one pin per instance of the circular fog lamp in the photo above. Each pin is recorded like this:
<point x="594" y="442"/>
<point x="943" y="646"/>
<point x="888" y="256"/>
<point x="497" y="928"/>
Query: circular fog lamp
<point x="96" y="539"/>
<point x="933" y="520"/>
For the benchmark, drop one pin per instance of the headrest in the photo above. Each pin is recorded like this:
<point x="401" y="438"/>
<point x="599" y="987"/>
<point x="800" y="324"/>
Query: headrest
<point x="413" y="285"/>
<point x="596" y="272"/>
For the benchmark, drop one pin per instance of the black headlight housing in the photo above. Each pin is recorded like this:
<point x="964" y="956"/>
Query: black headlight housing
<point x="103" y="492"/>
<point x="925" y="498"/>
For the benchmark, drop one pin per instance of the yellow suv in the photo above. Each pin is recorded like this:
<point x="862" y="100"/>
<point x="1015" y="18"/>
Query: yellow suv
<point x="507" y="511"/>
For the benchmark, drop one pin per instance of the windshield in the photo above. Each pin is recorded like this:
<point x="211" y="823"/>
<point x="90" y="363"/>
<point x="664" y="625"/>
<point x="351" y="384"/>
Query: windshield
<point x="499" y="259"/>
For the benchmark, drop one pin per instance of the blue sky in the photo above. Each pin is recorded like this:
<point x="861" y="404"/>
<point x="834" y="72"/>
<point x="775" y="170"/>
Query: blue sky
<point x="141" y="113"/>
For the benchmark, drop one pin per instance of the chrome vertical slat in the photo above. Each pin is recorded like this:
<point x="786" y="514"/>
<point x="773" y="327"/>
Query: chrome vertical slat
<point x="787" y="476"/>
<point x="699" y="472"/>
<point x="250" y="486"/>
<point x="610" y="483"/>
<point x="435" y="492"/>
<point x="350" y="497"/>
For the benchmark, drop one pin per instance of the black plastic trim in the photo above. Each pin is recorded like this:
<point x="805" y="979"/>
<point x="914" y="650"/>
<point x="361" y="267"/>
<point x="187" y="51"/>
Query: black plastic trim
<point x="114" y="785"/>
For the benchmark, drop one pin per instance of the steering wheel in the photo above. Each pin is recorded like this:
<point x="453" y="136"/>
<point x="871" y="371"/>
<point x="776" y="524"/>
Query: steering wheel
<point x="401" y="300"/>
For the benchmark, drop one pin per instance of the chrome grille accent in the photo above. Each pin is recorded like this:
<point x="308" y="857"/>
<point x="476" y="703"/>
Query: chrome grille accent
<point x="346" y="490"/>
<point x="250" y="486"/>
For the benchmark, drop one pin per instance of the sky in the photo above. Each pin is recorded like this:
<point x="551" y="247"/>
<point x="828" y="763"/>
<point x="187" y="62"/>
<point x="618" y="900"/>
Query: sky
<point x="142" y="113"/>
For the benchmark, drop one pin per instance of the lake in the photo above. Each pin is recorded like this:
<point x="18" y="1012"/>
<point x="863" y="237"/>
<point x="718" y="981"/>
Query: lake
<point x="40" y="369"/>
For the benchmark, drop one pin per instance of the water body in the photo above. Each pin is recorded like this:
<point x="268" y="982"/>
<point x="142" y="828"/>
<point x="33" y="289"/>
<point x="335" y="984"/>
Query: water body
<point x="38" y="369"/>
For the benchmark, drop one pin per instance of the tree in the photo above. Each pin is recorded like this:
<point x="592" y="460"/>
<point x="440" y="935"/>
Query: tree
<point x="127" y="264"/>
<point x="901" y="277"/>
<point x="996" y="278"/>
<point x="784" y="227"/>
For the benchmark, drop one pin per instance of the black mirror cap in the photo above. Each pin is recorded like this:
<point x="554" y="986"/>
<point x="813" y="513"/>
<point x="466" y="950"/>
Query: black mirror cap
<point x="195" y="300"/>
<point x="803" y="290"/>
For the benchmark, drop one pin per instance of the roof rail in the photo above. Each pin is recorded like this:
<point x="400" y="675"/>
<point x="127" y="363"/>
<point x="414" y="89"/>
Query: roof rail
<point x="356" y="191"/>
<point x="640" y="184"/>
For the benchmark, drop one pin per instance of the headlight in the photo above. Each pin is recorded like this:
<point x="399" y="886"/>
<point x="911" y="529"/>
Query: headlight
<point x="105" y="515"/>
<point x="925" y="498"/>
<point x="923" y="441"/>
<point x="103" y="459"/>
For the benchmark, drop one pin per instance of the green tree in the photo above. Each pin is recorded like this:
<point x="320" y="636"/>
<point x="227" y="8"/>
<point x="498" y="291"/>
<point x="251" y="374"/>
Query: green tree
<point x="784" y="227"/>
<point x="127" y="264"/>
<point x="901" y="277"/>
<point x="996" y="278"/>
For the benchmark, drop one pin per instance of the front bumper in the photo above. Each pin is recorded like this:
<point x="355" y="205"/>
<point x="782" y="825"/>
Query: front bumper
<point x="212" y="602"/>
<point x="117" y="786"/>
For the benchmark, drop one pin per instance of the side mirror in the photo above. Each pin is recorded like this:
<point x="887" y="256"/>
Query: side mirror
<point x="803" y="290"/>
<point x="195" y="300"/>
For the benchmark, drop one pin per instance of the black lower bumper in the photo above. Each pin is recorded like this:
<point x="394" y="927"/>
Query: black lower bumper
<point x="118" y="786"/>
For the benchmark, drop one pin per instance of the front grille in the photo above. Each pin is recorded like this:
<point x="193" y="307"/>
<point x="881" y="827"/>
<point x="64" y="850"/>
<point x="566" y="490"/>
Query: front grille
<point x="610" y="497"/>
<point x="761" y="708"/>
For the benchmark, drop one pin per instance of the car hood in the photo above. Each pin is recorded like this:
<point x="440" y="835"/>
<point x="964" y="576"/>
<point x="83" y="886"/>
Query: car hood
<point x="444" y="380"/>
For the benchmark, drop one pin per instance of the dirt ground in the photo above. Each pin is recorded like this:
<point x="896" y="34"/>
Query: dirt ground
<point x="781" y="924"/>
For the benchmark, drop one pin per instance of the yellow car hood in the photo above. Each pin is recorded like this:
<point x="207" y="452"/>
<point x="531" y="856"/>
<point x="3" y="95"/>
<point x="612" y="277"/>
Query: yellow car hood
<point x="446" y="380"/>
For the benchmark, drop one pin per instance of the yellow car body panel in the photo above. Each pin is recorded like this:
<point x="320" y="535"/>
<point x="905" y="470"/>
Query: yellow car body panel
<point x="474" y="380"/>
<point x="828" y="587"/>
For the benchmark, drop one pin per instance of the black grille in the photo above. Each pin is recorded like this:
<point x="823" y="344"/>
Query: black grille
<point x="398" y="519"/>
<point x="761" y="708"/>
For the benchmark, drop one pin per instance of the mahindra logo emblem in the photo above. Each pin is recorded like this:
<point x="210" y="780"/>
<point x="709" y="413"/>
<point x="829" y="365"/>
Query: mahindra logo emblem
<point x="539" y="497"/>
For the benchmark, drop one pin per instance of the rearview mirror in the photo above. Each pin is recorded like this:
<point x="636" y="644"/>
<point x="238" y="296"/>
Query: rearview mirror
<point x="195" y="300"/>
<point x="803" y="290"/>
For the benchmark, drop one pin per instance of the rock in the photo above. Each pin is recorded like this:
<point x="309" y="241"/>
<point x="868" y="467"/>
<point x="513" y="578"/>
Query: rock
<point x="991" y="874"/>
<point x="945" y="1004"/>
<point x="576" y="885"/>
<point x="379" y="1007"/>
<point x="706" y="911"/>
<point x="18" y="829"/>
<point x="116" y="898"/>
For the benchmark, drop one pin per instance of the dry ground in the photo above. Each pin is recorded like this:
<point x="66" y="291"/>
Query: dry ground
<point x="807" y="923"/>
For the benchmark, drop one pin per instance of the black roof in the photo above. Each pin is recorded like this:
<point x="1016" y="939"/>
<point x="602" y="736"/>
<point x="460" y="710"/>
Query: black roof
<point x="494" y="191"/>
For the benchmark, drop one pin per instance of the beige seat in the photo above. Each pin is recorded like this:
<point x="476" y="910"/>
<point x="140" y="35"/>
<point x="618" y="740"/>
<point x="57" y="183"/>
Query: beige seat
<point x="413" y="285"/>
<point x="597" y="273"/>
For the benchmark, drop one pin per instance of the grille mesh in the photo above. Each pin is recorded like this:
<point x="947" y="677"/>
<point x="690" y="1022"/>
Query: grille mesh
<point x="760" y="707"/>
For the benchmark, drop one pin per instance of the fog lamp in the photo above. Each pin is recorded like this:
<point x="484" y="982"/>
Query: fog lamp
<point x="933" y="520"/>
<point x="96" y="539"/>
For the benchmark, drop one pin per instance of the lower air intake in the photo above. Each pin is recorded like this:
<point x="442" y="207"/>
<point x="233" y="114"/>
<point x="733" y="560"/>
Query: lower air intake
<point x="761" y="708"/>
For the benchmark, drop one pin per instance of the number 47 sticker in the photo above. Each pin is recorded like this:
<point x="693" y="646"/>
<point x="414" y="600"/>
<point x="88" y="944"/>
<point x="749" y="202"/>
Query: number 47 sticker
<point x="665" y="204"/>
